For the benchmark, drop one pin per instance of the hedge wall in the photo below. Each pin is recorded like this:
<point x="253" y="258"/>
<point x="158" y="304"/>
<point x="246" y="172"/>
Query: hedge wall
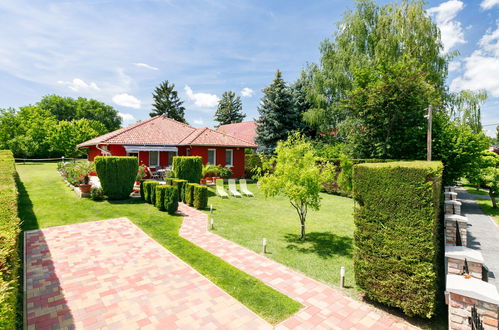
<point x="9" y="235"/>
<point x="398" y="234"/>
<point x="117" y="175"/>
<point x="188" y="168"/>
<point x="200" y="197"/>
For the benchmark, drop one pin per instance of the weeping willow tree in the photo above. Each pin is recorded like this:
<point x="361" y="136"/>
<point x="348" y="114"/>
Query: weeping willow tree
<point x="465" y="108"/>
<point x="371" y="36"/>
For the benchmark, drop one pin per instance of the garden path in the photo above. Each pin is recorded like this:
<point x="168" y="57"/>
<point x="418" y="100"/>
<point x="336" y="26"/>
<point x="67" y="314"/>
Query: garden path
<point x="109" y="274"/>
<point x="483" y="233"/>
<point x="324" y="307"/>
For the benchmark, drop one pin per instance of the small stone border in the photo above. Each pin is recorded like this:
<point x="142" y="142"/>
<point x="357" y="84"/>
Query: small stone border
<point x="75" y="189"/>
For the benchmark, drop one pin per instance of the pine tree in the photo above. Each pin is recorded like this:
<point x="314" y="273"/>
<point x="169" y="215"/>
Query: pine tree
<point x="278" y="115"/>
<point x="229" y="109"/>
<point x="167" y="102"/>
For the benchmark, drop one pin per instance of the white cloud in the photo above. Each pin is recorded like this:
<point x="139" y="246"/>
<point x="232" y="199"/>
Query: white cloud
<point x="198" y="121"/>
<point x="127" y="100"/>
<point x="481" y="68"/>
<point x="451" y="31"/>
<point x="79" y="85"/>
<point x="488" y="4"/>
<point x="127" y="118"/>
<point x="454" y="66"/>
<point x="147" y="66"/>
<point x="202" y="100"/>
<point x="247" y="92"/>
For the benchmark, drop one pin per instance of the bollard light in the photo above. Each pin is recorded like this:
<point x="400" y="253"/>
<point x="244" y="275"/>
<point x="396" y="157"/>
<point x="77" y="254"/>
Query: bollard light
<point x="342" y="276"/>
<point x="264" y="246"/>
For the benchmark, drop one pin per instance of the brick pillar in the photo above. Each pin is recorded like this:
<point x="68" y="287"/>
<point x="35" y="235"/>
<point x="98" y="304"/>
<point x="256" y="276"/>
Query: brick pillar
<point x="450" y="189"/>
<point x="455" y="256"/>
<point x="452" y="207"/>
<point x="450" y="196"/>
<point x="450" y="221"/>
<point x="466" y="293"/>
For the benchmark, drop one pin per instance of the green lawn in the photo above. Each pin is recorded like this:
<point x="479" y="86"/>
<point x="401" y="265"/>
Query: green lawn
<point x="485" y="203"/>
<point x="329" y="232"/>
<point x="46" y="201"/>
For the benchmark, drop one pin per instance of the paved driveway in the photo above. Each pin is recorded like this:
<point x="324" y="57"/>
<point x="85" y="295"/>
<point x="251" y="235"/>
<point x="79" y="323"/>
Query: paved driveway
<point x="109" y="274"/>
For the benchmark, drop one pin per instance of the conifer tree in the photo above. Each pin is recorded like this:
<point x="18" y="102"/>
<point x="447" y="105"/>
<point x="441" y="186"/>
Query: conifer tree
<point x="167" y="102"/>
<point x="278" y="115"/>
<point x="229" y="109"/>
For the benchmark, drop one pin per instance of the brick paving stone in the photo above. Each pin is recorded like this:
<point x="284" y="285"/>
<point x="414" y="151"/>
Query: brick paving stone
<point x="325" y="307"/>
<point x="109" y="274"/>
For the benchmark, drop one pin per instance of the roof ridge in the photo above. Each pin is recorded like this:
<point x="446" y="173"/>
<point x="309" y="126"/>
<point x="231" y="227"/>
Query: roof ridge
<point x="178" y="122"/>
<point x="126" y="129"/>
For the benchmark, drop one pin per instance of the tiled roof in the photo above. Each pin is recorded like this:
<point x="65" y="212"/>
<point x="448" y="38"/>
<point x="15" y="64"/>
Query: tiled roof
<point x="161" y="130"/>
<point x="245" y="130"/>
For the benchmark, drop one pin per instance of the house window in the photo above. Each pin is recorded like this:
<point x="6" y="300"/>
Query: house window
<point x="133" y="154"/>
<point x="229" y="157"/>
<point x="212" y="156"/>
<point x="171" y="154"/>
<point x="153" y="158"/>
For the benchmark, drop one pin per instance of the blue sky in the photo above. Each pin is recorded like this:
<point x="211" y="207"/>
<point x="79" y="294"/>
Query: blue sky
<point x="118" y="51"/>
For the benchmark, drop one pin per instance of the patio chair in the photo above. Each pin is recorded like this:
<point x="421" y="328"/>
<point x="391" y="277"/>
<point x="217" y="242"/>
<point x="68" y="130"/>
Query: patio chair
<point x="220" y="189"/>
<point x="154" y="175"/>
<point x="232" y="188"/>
<point x="244" y="188"/>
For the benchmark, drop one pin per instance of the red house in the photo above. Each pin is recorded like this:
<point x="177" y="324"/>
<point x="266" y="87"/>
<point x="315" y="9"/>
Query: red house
<point x="156" y="140"/>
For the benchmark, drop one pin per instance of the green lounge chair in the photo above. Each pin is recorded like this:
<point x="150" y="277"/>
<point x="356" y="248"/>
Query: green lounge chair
<point x="232" y="188"/>
<point x="220" y="188"/>
<point x="244" y="188"/>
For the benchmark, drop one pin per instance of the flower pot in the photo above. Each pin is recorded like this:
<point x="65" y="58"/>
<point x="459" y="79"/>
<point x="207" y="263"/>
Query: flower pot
<point x="214" y="179"/>
<point x="202" y="181"/>
<point x="85" y="188"/>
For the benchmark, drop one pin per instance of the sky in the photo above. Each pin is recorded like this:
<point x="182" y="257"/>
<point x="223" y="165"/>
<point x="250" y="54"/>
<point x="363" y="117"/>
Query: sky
<point x="118" y="51"/>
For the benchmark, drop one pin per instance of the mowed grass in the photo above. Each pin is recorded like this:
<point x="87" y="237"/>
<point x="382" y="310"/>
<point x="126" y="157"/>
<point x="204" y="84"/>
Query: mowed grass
<point x="329" y="232"/>
<point x="485" y="203"/>
<point x="46" y="201"/>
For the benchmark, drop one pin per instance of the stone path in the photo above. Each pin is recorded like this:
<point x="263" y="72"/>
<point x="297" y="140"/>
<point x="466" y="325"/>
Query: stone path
<point x="324" y="307"/>
<point x="483" y="233"/>
<point x="110" y="275"/>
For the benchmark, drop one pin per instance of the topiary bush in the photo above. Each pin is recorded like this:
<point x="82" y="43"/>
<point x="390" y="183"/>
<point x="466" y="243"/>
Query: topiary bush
<point x="148" y="190"/>
<point x="117" y="175"/>
<point x="180" y="185"/>
<point x="9" y="236"/>
<point x="171" y="199"/>
<point x="160" y="197"/>
<point x="188" y="168"/>
<point x="96" y="194"/>
<point x="398" y="234"/>
<point x="200" y="197"/>
<point x="189" y="193"/>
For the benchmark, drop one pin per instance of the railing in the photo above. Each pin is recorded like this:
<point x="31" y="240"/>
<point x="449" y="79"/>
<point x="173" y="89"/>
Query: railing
<point x="474" y="320"/>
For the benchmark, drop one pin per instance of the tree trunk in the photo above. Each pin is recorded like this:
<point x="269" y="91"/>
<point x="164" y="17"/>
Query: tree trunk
<point x="493" y="199"/>
<point x="302" y="221"/>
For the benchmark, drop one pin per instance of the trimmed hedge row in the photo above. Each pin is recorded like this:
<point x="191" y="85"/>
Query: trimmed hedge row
<point x="188" y="168"/>
<point x="200" y="197"/>
<point x="167" y="198"/>
<point x="117" y="175"/>
<point x="189" y="193"/>
<point x="9" y="235"/>
<point x="398" y="234"/>
<point x="180" y="185"/>
<point x="148" y="190"/>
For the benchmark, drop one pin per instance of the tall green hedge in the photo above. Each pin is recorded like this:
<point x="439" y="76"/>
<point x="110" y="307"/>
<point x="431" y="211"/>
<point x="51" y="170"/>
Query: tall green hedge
<point x="188" y="168"/>
<point x="117" y="175"/>
<point x="160" y="191"/>
<point x="180" y="185"/>
<point x="171" y="199"/>
<point x="9" y="234"/>
<point x="200" y="197"/>
<point x="398" y="234"/>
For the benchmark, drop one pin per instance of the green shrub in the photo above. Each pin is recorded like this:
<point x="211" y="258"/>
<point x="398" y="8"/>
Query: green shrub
<point x="9" y="233"/>
<point x="117" y="175"/>
<point x="188" y="168"/>
<point x="397" y="235"/>
<point x="160" y="197"/>
<point x="171" y="199"/>
<point x="189" y="193"/>
<point x="150" y="191"/>
<point x="96" y="194"/>
<point x="200" y="197"/>
<point x="180" y="185"/>
<point x="225" y="172"/>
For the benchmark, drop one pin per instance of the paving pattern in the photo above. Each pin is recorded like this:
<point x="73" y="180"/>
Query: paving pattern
<point x="110" y="275"/>
<point x="325" y="307"/>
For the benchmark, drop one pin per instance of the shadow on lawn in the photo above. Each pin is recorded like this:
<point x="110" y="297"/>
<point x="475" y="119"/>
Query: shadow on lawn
<point x="325" y="244"/>
<point x="25" y="207"/>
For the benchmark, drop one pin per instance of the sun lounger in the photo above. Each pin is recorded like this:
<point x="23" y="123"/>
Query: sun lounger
<point x="232" y="188"/>
<point x="220" y="188"/>
<point x="244" y="188"/>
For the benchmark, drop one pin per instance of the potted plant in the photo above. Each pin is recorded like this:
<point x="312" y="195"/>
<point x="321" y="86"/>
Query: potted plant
<point x="141" y="174"/>
<point x="210" y="171"/>
<point x="225" y="172"/>
<point x="84" y="170"/>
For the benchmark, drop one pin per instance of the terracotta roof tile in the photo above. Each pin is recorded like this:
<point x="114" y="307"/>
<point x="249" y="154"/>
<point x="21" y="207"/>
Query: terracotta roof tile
<point x="245" y="130"/>
<point x="161" y="130"/>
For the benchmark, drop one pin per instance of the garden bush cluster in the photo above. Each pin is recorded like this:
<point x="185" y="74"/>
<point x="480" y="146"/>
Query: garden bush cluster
<point x="9" y="235"/>
<point x="75" y="171"/>
<point x="166" y="197"/>
<point x="117" y="175"/>
<point x="398" y="233"/>
<point x="188" y="168"/>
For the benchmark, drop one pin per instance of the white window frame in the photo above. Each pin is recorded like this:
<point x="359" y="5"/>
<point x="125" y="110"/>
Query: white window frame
<point x="214" y="156"/>
<point x="231" y="158"/>
<point x="157" y="159"/>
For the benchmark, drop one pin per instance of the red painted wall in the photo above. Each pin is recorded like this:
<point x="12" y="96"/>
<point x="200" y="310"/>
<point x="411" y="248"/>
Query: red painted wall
<point x="238" y="156"/>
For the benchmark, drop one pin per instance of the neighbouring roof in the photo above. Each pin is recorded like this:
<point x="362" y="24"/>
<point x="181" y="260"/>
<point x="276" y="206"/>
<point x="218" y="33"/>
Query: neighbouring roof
<point x="245" y="130"/>
<point x="161" y="130"/>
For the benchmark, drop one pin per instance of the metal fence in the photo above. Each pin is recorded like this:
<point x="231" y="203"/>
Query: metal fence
<point x="475" y="322"/>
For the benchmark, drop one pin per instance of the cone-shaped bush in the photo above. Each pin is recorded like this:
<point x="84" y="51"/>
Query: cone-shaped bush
<point x="117" y="175"/>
